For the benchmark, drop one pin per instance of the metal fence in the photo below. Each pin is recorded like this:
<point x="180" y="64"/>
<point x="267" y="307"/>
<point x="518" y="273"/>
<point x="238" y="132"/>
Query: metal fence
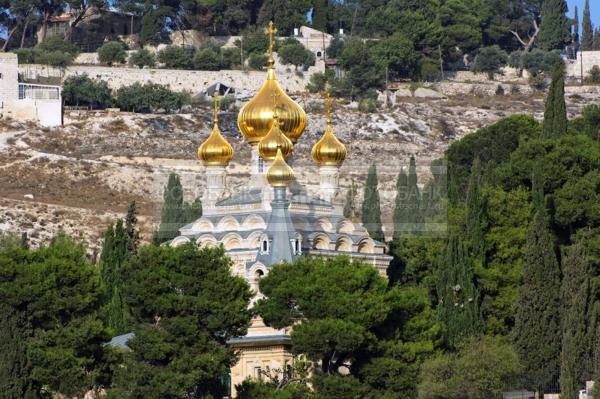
<point x="38" y="92"/>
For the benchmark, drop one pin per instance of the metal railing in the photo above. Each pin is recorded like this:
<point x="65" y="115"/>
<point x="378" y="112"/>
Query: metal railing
<point x="38" y="92"/>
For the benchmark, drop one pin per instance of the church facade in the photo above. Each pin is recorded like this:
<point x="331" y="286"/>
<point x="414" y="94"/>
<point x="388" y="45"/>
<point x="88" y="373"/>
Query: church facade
<point x="272" y="218"/>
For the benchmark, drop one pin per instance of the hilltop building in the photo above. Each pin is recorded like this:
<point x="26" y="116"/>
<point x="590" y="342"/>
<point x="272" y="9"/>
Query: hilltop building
<point x="273" y="218"/>
<point x="23" y="101"/>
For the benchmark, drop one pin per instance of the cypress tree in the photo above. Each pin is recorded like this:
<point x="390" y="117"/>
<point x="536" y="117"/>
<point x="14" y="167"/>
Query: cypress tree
<point x="108" y="257"/>
<point x="596" y="45"/>
<point x="537" y="190"/>
<point x="577" y="332"/>
<point x="458" y="296"/>
<point x="575" y="36"/>
<point x="319" y="15"/>
<point x="555" y="111"/>
<point x="413" y="199"/>
<point x="587" y="29"/>
<point x="475" y="211"/>
<point x="350" y="204"/>
<point x="400" y="207"/>
<point x="15" y="367"/>
<point x="555" y="29"/>
<point x="171" y="215"/>
<point x="193" y="211"/>
<point x="133" y="235"/>
<point x="371" y="209"/>
<point x="537" y="335"/>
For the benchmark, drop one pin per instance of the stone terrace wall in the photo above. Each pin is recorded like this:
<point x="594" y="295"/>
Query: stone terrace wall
<point x="586" y="60"/>
<point x="177" y="80"/>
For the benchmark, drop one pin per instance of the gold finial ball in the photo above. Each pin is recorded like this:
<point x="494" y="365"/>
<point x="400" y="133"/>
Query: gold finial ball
<point x="280" y="174"/>
<point x="215" y="151"/>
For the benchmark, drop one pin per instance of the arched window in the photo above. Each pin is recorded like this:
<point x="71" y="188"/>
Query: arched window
<point x="265" y="246"/>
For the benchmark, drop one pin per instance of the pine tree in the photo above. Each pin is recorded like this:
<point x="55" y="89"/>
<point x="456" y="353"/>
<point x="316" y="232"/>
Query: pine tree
<point x="577" y="331"/>
<point x="587" y="29"/>
<point x="400" y="208"/>
<point x="150" y="26"/>
<point x="319" y="15"/>
<point x="575" y="36"/>
<point x="555" y="111"/>
<point x="371" y="209"/>
<point x="458" y="296"/>
<point x="536" y="335"/>
<point x="171" y="215"/>
<point x="475" y="211"/>
<point x="133" y="235"/>
<point x="414" y="218"/>
<point x="555" y="29"/>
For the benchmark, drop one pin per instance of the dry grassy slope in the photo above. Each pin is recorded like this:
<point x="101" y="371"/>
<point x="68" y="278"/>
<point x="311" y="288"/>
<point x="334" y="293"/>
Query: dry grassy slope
<point x="84" y="174"/>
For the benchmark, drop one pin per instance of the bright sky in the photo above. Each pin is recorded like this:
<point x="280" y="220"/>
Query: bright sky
<point x="594" y="9"/>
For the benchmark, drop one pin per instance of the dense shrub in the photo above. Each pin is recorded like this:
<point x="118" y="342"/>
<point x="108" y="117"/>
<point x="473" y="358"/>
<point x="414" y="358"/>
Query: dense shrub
<point x="291" y="51"/>
<point x="55" y="43"/>
<point x="58" y="59"/>
<point x="112" y="53"/>
<point x="150" y="97"/>
<point x="53" y="51"/>
<point x="258" y="61"/>
<point x="230" y="58"/>
<point x="490" y="60"/>
<point x="593" y="76"/>
<point x="253" y="41"/>
<point x="26" y="55"/>
<point x="142" y="58"/>
<point x="207" y="59"/>
<point x="177" y="57"/>
<point x="80" y="90"/>
<point x="538" y="61"/>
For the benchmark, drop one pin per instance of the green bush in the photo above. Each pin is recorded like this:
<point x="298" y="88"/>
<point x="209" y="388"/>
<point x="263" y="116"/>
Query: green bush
<point x="316" y="83"/>
<point x="80" y="90"/>
<point x="336" y="45"/>
<point x="26" y="55"/>
<point x="230" y="58"/>
<point x="112" y="53"/>
<point x="207" y="59"/>
<point x="149" y="98"/>
<point x="142" y="58"/>
<point x="254" y="41"/>
<point x="593" y="76"/>
<point x="490" y="60"/>
<point x="55" y="43"/>
<point x="177" y="57"/>
<point x="258" y="61"/>
<point x="294" y="53"/>
<point x="367" y="105"/>
<point x="227" y="102"/>
<point x="57" y="58"/>
<point x="537" y="61"/>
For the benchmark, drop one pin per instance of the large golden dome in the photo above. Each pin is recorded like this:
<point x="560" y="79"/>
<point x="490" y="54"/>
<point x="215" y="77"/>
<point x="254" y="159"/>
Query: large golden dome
<point x="215" y="151"/>
<point x="329" y="151"/>
<point x="256" y="116"/>
<point x="275" y="140"/>
<point x="279" y="174"/>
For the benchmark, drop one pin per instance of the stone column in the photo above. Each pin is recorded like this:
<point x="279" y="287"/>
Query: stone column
<point x="329" y="182"/>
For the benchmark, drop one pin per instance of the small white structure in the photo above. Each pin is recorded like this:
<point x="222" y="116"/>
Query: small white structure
<point x="23" y="101"/>
<point x="584" y="63"/>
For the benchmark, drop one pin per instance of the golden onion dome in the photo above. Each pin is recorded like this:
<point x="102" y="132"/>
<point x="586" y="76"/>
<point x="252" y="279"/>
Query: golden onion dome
<point x="215" y="151"/>
<point x="256" y="116"/>
<point x="275" y="140"/>
<point x="329" y="151"/>
<point x="279" y="174"/>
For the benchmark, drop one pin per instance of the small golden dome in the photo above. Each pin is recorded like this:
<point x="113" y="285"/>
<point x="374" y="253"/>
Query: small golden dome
<point x="329" y="151"/>
<point x="256" y="116"/>
<point x="215" y="151"/>
<point x="275" y="140"/>
<point x="279" y="174"/>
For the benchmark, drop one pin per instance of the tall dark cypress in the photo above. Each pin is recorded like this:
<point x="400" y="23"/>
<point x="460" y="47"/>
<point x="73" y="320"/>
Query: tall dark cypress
<point x="587" y="29"/>
<point x="172" y="210"/>
<point x="400" y="206"/>
<point x="537" y="334"/>
<point x="577" y="330"/>
<point x="414" y="217"/>
<point x="575" y="30"/>
<point x="350" y="204"/>
<point x="319" y="15"/>
<point x="458" y="295"/>
<point x="555" y="110"/>
<point x="133" y="235"/>
<point x="555" y="29"/>
<point x="596" y="45"/>
<point x="371" y="206"/>
<point x="475" y="211"/>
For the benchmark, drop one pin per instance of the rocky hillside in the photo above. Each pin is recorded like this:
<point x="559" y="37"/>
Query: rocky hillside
<point x="81" y="176"/>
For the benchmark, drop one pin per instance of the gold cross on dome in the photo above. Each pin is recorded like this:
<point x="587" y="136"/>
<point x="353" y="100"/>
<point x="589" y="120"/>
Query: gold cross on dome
<point x="328" y="106"/>
<point x="275" y="97"/>
<point x="217" y="105"/>
<point x="271" y="30"/>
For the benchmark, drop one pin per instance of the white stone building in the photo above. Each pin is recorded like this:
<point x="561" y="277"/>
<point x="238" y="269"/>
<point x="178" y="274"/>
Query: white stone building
<point x="23" y="101"/>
